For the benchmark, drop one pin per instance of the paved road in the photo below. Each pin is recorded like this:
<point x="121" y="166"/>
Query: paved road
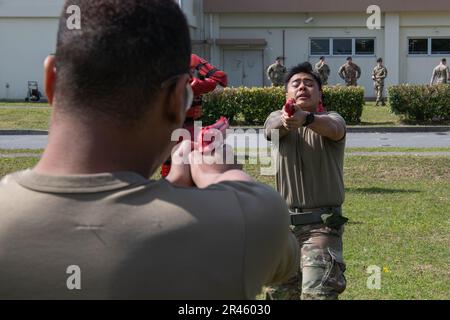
<point x="411" y="140"/>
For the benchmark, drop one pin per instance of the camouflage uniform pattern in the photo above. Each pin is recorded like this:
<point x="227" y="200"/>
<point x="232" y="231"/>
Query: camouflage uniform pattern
<point x="276" y="74"/>
<point x="321" y="271"/>
<point x="379" y="73"/>
<point x="324" y="72"/>
<point x="440" y="74"/>
<point x="350" y="73"/>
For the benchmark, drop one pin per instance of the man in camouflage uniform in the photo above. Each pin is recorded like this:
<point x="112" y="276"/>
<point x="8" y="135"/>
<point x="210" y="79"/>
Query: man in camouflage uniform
<point x="310" y="178"/>
<point x="323" y="70"/>
<point x="350" y="72"/>
<point x="441" y="73"/>
<point x="276" y="73"/>
<point x="379" y="73"/>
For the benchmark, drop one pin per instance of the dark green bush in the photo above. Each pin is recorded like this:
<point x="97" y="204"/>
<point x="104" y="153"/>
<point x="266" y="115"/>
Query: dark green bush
<point x="420" y="102"/>
<point x="255" y="104"/>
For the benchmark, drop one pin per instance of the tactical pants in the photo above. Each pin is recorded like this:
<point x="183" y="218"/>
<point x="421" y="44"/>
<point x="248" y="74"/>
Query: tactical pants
<point x="351" y="82"/>
<point x="379" y="90"/>
<point x="321" y="271"/>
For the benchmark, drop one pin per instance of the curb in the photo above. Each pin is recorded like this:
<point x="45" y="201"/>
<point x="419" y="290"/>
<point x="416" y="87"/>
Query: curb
<point x="23" y="133"/>
<point x="365" y="129"/>
<point x="356" y="129"/>
<point x="374" y="129"/>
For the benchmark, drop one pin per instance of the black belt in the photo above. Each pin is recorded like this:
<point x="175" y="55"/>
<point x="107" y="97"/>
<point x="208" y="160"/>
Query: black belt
<point x="301" y="216"/>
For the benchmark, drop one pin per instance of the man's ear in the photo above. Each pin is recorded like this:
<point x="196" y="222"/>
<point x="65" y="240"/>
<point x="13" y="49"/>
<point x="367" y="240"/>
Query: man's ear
<point x="176" y="101"/>
<point x="49" y="77"/>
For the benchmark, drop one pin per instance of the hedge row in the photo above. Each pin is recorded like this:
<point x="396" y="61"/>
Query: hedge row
<point x="255" y="104"/>
<point x="420" y="102"/>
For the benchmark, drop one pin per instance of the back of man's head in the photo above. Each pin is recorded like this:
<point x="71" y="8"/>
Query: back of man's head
<point x="114" y="65"/>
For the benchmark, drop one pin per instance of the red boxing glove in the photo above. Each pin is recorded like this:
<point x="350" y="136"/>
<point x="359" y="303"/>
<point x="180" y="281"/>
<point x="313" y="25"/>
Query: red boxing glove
<point x="289" y="107"/>
<point x="222" y="125"/>
<point x="207" y="70"/>
<point x="200" y="87"/>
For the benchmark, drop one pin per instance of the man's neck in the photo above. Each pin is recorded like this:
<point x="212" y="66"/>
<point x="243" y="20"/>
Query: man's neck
<point x="77" y="148"/>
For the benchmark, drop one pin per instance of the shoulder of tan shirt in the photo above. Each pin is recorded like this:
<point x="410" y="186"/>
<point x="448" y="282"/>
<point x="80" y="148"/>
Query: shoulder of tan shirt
<point x="268" y="239"/>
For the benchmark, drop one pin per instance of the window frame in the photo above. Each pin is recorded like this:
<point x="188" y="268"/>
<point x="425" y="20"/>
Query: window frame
<point x="429" y="47"/>
<point x="320" y="38"/>
<point x="331" y="47"/>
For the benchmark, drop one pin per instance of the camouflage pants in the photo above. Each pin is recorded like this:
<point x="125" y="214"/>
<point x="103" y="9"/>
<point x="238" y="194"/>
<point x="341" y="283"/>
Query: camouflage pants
<point x="351" y="82"/>
<point x="321" y="270"/>
<point x="379" y="90"/>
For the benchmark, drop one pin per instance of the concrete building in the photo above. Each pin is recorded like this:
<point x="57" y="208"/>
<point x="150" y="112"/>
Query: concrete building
<point x="28" y="31"/>
<point x="248" y="35"/>
<point x="243" y="37"/>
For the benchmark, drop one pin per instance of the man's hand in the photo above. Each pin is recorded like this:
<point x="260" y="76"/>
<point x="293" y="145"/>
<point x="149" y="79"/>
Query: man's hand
<point x="180" y="171"/>
<point x="207" y="169"/>
<point x="294" y="122"/>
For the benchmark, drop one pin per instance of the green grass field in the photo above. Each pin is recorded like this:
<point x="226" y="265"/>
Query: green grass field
<point x="25" y="118"/>
<point x="378" y="116"/>
<point x="399" y="220"/>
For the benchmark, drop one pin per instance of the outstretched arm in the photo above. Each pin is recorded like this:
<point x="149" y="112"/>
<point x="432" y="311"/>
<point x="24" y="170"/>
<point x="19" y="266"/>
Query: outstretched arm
<point x="326" y="125"/>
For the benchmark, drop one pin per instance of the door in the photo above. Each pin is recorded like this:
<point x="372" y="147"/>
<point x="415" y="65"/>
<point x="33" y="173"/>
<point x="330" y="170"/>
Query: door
<point x="244" y="67"/>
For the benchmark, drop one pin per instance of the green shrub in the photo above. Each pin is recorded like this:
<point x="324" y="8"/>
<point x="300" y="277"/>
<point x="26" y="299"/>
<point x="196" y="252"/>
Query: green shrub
<point x="420" y="102"/>
<point x="347" y="101"/>
<point x="255" y="104"/>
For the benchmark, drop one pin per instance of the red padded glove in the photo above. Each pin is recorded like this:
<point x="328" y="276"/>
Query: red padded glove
<point x="222" y="125"/>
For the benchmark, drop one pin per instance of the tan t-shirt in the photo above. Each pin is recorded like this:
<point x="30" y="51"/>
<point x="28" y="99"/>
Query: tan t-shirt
<point x="309" y="167"/>
<point x="132" y="238"/>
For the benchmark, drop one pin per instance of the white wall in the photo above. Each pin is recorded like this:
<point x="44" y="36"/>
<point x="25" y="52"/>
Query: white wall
<point x="28" y="30"/>
<point x="297" y="35"/>
<point x="417" y="69"/>
<point x="391" y="41"/>
<point x="25" y="44"/>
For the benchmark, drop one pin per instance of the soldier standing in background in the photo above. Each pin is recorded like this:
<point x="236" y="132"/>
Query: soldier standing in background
<point x="379" y="73"/>
<point x="441" y="73"/>
<point x="276" y="72"/>
<point x="350" y="72"/>
<point x="323" y="70"/>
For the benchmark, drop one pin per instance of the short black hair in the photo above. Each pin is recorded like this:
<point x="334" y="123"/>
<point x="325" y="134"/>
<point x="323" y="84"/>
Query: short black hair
<point x="444" y="60"/>
<point x="114" y="65"/>
<point x="279" y="58"/>
<point x="304" y="67"/>
<point x="322" y="58"/>
<point x="349" y="58"/>
<point x="379" y="60"/>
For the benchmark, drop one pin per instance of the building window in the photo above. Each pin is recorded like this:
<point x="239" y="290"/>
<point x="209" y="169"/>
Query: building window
<point x="320" y="47"/>
<point x="342" y="47"/>
<point x="418" y="46"/>
<point x="364" y="46"/>
<point x="440" y="46"/>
